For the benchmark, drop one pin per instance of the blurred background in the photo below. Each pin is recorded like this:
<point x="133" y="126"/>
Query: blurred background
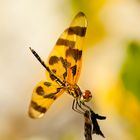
<point x="111" y="67"/>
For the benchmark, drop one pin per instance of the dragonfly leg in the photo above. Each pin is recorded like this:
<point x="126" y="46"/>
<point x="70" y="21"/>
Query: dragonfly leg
<point x="75" y="108"/>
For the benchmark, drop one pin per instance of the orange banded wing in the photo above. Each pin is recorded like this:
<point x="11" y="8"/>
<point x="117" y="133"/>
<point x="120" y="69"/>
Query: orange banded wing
<point x="65" y="58"/>
<point x="43" y="96"/>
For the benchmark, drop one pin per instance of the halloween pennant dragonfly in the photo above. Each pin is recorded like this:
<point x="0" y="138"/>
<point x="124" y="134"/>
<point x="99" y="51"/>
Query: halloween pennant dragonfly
<point x="62" y="70"/>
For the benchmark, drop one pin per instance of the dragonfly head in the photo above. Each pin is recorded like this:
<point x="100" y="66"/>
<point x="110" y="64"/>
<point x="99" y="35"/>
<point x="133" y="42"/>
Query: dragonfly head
<point x="86" y="96"/>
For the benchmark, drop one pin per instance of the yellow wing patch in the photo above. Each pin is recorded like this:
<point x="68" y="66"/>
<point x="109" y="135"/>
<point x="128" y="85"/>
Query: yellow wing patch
<point x="43" y="96"/>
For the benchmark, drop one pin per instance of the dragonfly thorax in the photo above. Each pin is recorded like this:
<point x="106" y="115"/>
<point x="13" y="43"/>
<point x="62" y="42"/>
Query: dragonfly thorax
<point x="86" y="96"/>
<point x="73" y="90"/>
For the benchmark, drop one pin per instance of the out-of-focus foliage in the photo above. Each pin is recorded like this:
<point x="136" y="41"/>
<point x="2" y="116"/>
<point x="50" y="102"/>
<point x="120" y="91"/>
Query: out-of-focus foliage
<point x="124" y="95"/>
<point x="126" y="107"/>
<point x="131" y="69"/>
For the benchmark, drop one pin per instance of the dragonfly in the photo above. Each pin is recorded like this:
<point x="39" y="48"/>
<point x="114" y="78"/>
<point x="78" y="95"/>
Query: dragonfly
<point x="63" y="68"/>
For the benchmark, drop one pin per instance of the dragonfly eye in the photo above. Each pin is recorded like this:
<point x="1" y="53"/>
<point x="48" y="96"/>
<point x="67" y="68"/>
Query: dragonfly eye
<point x="86" y="96"/>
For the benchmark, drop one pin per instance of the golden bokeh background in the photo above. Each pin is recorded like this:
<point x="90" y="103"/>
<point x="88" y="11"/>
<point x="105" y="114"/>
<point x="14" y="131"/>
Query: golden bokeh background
<point x="111" y="67"/>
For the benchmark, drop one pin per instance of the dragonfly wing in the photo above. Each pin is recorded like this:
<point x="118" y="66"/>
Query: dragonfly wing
<point x="65" y="58"/>
<point x="43" y="96"/>
<point x="76" y="33"/>
<point x="56" y="60"/>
